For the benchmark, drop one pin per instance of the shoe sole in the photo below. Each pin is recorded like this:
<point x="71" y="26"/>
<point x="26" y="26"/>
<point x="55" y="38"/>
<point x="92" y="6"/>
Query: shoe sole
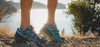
<point x="17" y="40"/>
<point x="47" y="36"/>
<point x="50" y="38"/>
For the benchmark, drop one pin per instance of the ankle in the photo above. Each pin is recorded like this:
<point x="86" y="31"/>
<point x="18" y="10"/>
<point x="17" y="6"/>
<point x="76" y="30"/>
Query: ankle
<point x="53" y="24"/>
<point x="23" y="27"/>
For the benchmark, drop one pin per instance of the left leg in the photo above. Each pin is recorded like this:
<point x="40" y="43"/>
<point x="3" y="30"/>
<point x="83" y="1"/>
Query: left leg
<point x="51" y="11"/>
<point x="50" y="30"/>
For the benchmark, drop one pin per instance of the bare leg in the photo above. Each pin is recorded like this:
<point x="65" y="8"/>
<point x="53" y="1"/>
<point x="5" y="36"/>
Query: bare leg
<point x="25" y="13"/>
<point x="51" y="11"/>
<point x="29" y="33"/>
<point x="50" y="30"/>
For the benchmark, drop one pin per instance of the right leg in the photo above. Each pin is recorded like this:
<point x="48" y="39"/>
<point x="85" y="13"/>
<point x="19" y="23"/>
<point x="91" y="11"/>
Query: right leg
<point x="25" y="13"/>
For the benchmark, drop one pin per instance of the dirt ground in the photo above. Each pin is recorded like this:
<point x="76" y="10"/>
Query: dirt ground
<point x="6" y="41"/>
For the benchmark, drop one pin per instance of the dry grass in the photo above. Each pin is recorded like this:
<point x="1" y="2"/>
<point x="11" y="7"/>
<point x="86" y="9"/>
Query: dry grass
<point x="5" y="31"/>
<point x="75" y="35"/>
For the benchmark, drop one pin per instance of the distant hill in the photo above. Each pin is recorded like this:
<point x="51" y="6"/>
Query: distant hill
<point x="6" y="8"/>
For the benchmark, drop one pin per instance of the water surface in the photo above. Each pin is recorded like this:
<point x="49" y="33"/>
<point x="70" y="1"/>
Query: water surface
<point x="39" y="18"/>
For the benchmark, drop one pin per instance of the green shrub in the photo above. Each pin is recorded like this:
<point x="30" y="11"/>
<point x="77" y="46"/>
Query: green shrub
<point x="85" y="16"/>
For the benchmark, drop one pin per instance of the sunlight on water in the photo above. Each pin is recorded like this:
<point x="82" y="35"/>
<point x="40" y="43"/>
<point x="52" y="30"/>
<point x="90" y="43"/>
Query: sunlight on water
<point x="39" y="18"/>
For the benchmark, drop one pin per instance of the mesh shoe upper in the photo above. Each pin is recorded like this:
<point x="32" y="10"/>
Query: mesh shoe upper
<point x="30" y="35"/>
<point x="52" y="31"/>
<point x="55" y="30"/>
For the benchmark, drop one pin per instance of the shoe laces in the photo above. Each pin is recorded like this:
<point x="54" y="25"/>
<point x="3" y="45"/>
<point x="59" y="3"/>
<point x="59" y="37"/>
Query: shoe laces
<point x="54" y="29"/>
<point x="30" y="34"/>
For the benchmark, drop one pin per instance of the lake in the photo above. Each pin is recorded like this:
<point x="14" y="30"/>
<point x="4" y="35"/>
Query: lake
<point x="39" y="18"/>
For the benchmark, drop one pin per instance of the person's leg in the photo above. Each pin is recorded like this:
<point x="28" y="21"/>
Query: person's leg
<point x="50" y="30"/>
<point x="25" y="13"/>
<point x="26" y="31"/>
<point x="51" y="11"/>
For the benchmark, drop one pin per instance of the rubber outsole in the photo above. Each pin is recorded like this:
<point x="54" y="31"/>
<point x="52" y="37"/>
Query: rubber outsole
<point x="47" y="36"/>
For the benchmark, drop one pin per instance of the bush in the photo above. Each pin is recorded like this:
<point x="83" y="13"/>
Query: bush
<point x="86" y="18"/>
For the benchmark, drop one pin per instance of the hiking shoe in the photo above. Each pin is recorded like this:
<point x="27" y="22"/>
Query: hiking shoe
<point x="51" y="33"/>
<point x="29" y="35"/>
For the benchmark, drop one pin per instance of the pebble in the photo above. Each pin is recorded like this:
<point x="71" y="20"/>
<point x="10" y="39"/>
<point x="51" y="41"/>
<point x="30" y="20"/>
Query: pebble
<point x="69" y="42"/>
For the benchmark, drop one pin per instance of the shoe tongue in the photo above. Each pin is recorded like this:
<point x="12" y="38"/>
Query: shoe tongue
<point x="52" y="26"/>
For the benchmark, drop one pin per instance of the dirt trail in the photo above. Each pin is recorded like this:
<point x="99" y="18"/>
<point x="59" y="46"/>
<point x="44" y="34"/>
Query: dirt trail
<point x="6" y="41"/>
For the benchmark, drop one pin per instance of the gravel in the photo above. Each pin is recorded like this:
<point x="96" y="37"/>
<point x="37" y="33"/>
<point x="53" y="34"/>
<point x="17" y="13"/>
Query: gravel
<point x="6" y="41"/>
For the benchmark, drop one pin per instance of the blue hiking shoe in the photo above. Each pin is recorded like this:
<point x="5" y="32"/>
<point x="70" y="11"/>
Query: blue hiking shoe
<point x="51" y="33"/>
<point x="29" y="35"/>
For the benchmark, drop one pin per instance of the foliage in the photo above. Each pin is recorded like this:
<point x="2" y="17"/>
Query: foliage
<point x="86" y="15"/>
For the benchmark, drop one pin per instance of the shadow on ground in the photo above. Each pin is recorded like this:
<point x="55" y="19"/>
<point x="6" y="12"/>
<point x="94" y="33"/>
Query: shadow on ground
<point x="32" y="44"/>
